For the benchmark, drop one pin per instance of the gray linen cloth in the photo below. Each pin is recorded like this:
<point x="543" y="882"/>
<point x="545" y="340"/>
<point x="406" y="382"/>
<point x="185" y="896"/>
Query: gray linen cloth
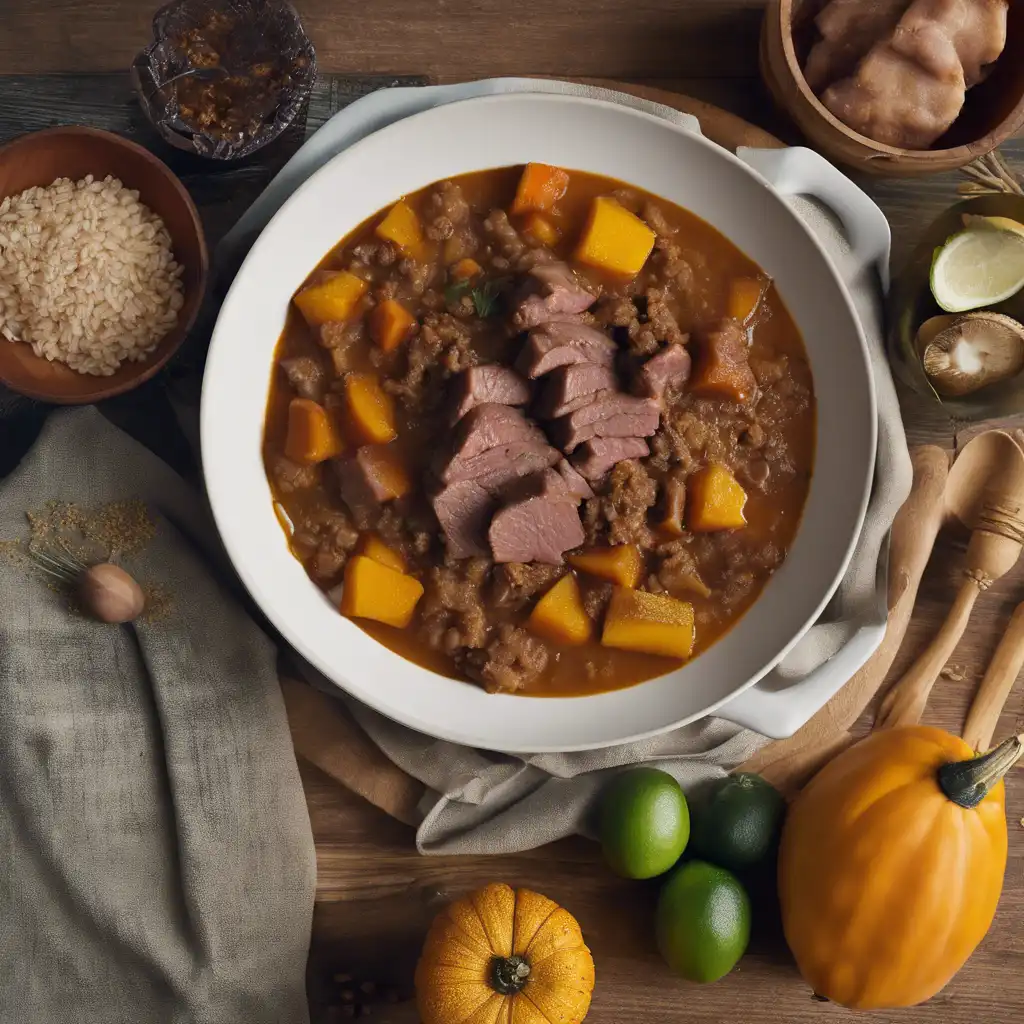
<point x="491" y="802"/>
<point x="157" y="859"/>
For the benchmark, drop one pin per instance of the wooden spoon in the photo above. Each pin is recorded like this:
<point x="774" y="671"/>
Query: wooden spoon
<point x="1000" y="676"/>
<point x="788" y="764"/>
<point x="985" y="492"/>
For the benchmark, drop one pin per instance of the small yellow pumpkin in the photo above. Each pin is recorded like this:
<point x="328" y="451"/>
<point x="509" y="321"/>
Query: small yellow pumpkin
<point x="504" y="956"/>
<point x="891" y="865"/>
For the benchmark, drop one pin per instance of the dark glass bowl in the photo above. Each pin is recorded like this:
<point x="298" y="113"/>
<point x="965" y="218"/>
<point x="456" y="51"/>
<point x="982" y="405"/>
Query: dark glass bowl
<point x="222" y="78"/>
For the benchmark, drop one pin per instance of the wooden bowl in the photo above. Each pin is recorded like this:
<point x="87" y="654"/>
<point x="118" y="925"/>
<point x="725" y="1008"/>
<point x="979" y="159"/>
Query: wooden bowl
<point x="74" y="152"/>
<point x="993" y="111"/>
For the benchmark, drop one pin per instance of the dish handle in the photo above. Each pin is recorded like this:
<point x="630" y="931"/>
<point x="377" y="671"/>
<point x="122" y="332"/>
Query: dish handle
<point x="799" y="171"/>
<point x="776" y="706"/>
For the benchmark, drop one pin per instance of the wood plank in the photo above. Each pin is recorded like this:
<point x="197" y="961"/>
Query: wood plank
<point x="612" y="38"/>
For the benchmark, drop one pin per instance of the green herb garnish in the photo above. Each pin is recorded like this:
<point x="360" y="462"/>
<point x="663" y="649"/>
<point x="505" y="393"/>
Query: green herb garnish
<point x="485" y="298"/>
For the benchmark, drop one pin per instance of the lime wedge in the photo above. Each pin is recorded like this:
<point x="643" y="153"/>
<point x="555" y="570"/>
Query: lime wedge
<point x="977" y="267"/>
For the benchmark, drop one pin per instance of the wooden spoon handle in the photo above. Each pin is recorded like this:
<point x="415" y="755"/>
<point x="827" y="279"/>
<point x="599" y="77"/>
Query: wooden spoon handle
<point x="996" y="686"/>
<point x="905" y="702"/>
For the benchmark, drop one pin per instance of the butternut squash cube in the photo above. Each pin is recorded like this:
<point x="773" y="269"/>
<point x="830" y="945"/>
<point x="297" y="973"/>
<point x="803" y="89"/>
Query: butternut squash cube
<point x="370" y="409"/>
<point x="649" y="623"/>
<point x="716" y="500"/>
<point x="390" y="323"/>
<point x="745" y="296"/>
<point x="540" y="187"/>
<point x="312" y="434"/>
<point x="332" y="299"/>
<point x="614" y="239"/>
<point x="560" y="616"/>
<point x="540" y="229"/>
<point x="465" y="269"/>
<point x="621" y="564"/>
<point x="375" y="591"/>
<point x="373" y="547"/>
<point x="402" y="226"/>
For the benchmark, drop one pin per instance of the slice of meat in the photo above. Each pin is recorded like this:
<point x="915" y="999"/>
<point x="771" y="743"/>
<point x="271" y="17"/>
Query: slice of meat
<point x="552" y="292"/>
<point x="499" y="466"/>
<point x="575" y="484"/>
<point x="670" y="367"/>
<point x="484" y="385"/>
<point x="305" y="375"/>
<point x="571" y="386"/>
<point x="490" y="426"/>
<point x="606" y="416"/>
<point x="463" y="509"/>
<point x="596" y="457"/>
<point x="362" y="484"/>
<point x="535" y="529"/>
<point x="560" y="344"/>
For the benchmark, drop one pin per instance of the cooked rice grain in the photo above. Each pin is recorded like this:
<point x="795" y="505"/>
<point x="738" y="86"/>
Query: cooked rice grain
<point x="87" y="275"/>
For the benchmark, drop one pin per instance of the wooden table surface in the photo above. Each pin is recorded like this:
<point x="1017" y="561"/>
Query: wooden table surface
<point x="375" y="895"/>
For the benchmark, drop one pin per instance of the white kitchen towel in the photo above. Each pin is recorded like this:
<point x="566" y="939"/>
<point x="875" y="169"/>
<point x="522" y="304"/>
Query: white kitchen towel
<point x="490" y="802"/>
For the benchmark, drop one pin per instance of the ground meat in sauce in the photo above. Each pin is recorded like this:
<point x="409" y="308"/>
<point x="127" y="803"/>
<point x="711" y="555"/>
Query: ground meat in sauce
<point x="473" y="613"/>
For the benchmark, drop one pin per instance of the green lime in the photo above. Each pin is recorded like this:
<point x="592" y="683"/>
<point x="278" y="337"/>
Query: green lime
<point x="702" y="921"/>
<point x="644" y="823"/>
<point x="979" y="266"/>
<point x="738" y="826"/>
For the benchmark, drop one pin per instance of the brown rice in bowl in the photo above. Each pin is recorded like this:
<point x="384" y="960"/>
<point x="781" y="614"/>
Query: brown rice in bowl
<point x="87" y="274"/>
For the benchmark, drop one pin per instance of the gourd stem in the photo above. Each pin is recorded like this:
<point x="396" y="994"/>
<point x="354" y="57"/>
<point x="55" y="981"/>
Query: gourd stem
<point x="509" y="974"/>
<point x="967" y="782"/>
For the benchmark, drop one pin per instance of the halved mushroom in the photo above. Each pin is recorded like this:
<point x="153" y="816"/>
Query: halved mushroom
<point x="961" y="354"/>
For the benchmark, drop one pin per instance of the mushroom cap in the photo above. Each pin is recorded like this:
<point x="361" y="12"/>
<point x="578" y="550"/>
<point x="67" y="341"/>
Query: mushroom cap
<point x="962" y="354"/>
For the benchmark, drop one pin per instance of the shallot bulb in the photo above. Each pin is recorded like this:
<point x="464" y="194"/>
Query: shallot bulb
<point x="108" y="593"/>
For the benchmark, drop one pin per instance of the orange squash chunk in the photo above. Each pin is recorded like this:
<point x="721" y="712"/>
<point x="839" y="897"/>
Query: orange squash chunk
<point x="540" y="187"/>
<point x="621" y="564"/>
<point x="375" y="591"/>
<point x="649" y="623"/>
<point x="540" y="229"/>
<point x="334" y="298"/>
<point x="390" y="323"/>
<point x="560" y="616"/>
<point x="721" y="369"/>
<point x="745" y="296"/>
<point x="370" y="409"/>
<point x="312" y="435"/>
<point x="402" y="226"/>
<point x="373" y="547"/>
<point x="465" y="269"/>
<point x="614" y="239"/>
<point x="716" y="500"/>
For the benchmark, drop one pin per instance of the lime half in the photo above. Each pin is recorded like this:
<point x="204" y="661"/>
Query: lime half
<point x="977" y="267"/>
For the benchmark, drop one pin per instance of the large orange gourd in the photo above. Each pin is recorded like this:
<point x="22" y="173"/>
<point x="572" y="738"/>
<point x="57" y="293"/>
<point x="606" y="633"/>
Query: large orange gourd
<point x="891" y="865"/>
<point x="504" y="956"/>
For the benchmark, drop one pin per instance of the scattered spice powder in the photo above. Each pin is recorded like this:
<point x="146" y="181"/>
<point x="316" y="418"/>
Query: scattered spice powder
<point x="77" y="536"/>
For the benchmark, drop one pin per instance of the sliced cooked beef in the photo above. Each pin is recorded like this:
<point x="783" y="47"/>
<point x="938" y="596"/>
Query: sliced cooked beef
<point x="669" y="368"/>
<point x="553" y="292"/>
<point x="535" y="529"/>
<point x="606" y="416"/>
<point x="480" y="385"/>
<point x="516" y="582"/>
<point x="575" y="484"/>
<point x="596" y="457"/>
<point x="499" y="466"/>
<point x="490" y="426"/>
<point x="463" y="509"/>
<point x="305" y="375"/>
<point x="513" y="660"/>
<point x="361" y="486"/>
<point x="619" y="515"/>
<point x="572" y="386"/>
<point x="560" y="344"/>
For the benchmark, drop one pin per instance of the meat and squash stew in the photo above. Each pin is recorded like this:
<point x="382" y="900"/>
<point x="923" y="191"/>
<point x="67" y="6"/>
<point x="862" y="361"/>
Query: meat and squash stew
<point x="540" y="430"/>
